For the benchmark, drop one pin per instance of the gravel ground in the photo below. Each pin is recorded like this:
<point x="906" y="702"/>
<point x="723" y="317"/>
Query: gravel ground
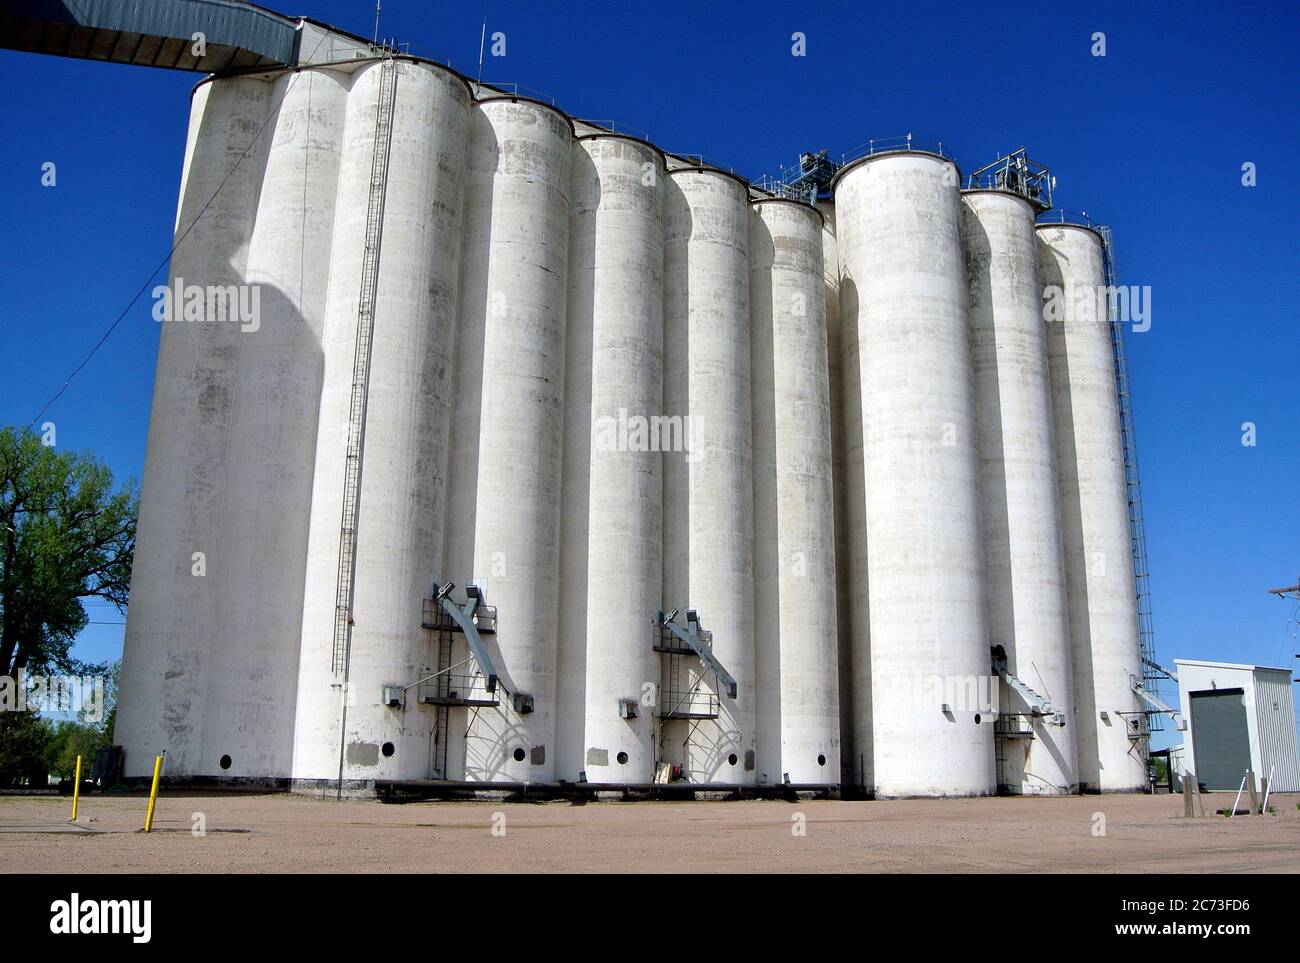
<point x="282" y="833"/>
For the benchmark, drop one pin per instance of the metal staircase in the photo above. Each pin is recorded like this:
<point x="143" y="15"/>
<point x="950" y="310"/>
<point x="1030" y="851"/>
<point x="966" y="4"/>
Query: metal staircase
<point x="1017" y="728"/>
<point x="809" y="182"/>
<point x="1016" y="173"/>
<point x="474" y="683"/>
<point x="361" y="365"/>
<point x="679" y="701"/>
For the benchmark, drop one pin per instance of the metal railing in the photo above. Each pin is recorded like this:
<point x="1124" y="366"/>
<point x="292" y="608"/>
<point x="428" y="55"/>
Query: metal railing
<point x="614" y="127"/>
<point x="433" y="616"/>
<point x="1016" y="173"/>
<point x="894" y="145"/>
<point x="452" y="687"/>
<point x="778" y="187"/>
<point x="1077" y="218"/>
<point x="689" y="705"/>
<point x="703" y="162"/>
<point x="516" y="90"/>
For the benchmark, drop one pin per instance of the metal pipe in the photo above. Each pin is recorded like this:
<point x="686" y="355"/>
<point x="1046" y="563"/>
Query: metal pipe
<point x="76" y="791"/>
<point x="436" y="674"/>
<point x="1238" y="799"/>
<point x="153" y="790"/>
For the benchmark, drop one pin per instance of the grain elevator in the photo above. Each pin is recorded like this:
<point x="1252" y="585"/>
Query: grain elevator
<point x="553" y="457"/>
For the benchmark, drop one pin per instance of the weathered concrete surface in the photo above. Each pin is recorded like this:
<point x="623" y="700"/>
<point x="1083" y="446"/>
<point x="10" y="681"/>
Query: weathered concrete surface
<point x="1024" y="569"/>
<point x="504" y="521"/>
<point x="795" y="624"/>
<point x="903" y="288"/>
<point x="271" y="446"/>
<point x="709" y="495"/>
<point x="400" y="523"/>
<point x="169" y="633"/>
<point x="1094" y="510"/>
<point x="611" y="573"/>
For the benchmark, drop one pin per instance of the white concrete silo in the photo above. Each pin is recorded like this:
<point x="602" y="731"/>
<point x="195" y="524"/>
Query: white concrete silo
<point x="709" y="491"/>
<point x="399" y="523"/>
<point x="903" y="287"/>
<point x="261" y="555"/>
<point x="613" y="481"/>
<point x="795" y="624"/>
<point x="173" y="590"/>
<point x="1101" y="591"/>
<point x="1023" y="561"/>
<point x="507" y="424"/>
<point x="852" y="631"/>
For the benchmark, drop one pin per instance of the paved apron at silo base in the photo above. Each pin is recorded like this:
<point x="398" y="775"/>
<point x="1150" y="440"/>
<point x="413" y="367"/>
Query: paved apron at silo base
<point x="1143" y="834"/>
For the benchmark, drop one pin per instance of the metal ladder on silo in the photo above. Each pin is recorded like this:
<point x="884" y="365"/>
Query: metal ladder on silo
<point x="442" y="717"/>
<point x="343" y="599"/>
<point x="1152" y="720"/>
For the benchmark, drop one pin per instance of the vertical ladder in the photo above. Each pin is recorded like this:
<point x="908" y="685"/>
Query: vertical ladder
<point x="1137" y="527"/>
<point x="442" y="726"/>
<point x="361" y="364"/>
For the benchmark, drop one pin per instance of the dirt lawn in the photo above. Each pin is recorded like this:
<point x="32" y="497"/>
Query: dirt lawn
<point x="282" y="833"/>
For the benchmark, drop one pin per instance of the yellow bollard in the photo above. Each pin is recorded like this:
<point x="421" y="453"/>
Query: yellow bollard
<point x="76" y="791"/>
<point x="153" y="793"/>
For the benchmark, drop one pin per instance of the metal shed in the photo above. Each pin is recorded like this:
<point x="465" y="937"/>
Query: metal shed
<point x="1240" y="717"/>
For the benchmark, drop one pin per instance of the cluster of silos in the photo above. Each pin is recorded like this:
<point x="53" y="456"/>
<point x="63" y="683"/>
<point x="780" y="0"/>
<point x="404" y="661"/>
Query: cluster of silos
<point x="600" y="382"/>
<point x="983" y="504"/>
<point x="534" y="282"/>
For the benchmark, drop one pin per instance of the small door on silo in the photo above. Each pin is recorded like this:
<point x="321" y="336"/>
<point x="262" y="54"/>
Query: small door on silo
<point x="1220" y="739"/>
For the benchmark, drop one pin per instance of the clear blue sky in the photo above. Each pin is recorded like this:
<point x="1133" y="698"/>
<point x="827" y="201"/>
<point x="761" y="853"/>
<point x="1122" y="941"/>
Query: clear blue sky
<point x="1150" y="139"/>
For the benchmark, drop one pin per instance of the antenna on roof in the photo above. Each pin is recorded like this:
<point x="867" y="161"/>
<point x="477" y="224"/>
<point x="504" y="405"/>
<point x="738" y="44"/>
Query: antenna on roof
<point x="481" y="37"/>
<point x="379" y="6"/>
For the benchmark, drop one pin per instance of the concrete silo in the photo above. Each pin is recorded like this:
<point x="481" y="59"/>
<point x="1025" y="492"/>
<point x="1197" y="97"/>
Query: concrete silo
<point x="507" y="424"/>
<point x="175" y="581"/>
<point x="613" y="483"/>
<point x="795" y="621"/>
<point x="350" y="724"/>
<point x="1023" y="562"/>
<point x="709" y="489"/>
<point x="903" y="288"/>
<point x="837" y="358"/>
<point x="248" y="728"/>
<point x="1094" y="509"/>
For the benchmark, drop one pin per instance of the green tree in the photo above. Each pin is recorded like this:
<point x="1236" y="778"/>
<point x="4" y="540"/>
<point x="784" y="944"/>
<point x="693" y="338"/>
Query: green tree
<point x="65" y="534"/>
<point x="69" y="740"/>
<point x="112" y="683"/>
<point x="25" y="741"/>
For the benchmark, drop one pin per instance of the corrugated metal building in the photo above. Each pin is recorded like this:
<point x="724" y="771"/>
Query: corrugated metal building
<point x="1241" y="717"/>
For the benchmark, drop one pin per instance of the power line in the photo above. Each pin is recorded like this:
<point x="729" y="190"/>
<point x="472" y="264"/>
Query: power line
<point x="154" y="273"/>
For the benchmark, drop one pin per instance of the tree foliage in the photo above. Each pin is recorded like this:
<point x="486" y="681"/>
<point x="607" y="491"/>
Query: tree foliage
<point x="65" y="535"/>
<point x="33" y="747"/>
<point x="25" y="740"/>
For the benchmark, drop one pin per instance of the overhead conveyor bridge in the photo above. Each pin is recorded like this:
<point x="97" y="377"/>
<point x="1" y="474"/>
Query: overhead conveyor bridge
<point x="235" y="36"/>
